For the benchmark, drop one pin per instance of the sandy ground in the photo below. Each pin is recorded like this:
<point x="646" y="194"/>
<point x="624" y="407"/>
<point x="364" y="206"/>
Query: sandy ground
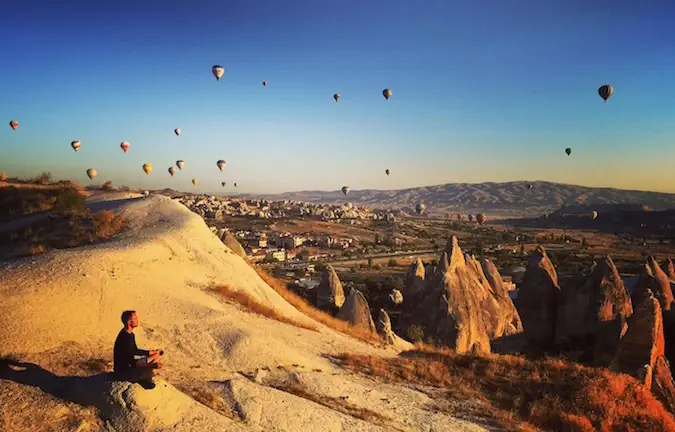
<point x="61" y="310"/>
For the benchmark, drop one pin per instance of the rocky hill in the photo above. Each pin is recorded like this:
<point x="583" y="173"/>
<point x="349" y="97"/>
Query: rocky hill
<point x="497" y="199"/>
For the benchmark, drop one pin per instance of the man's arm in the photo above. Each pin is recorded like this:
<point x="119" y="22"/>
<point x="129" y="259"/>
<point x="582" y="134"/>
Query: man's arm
<point x="140" y="352"/>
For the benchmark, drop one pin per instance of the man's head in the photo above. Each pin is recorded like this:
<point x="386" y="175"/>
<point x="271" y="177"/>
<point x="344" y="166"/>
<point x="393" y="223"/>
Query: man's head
<point x="130" y="319"/>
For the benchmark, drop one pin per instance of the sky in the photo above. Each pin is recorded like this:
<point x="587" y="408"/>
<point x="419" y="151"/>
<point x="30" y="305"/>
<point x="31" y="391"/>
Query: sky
<point x="483" y="90"/>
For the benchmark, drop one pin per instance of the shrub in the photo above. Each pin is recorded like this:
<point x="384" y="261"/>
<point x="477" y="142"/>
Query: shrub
<point x="416" y="333"/>
<point x="69" y="202"/>
<point x="393" y="263"/>
<point x="43" y="178"/>
<point x="106" y="224"/>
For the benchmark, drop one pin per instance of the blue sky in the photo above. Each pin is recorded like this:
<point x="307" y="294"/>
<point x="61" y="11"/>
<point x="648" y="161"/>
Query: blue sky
<point x="482" y="91"/>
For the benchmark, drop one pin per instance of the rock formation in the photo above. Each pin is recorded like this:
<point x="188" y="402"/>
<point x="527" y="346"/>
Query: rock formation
<point x="356" y="311"/>
<point x="329" y="293"/>
<point x="641" y="350"/>
<point x="232" y="243"/>
<point x="670" y="269"/>
<point x="509" y="318"/>
<point x="415" y="279"/>
<point x="383" y="327"/>
<point x="655" y="280"/>
<point x="537" y="300"/>
<point x="593" y="310"/>
<point x="450" y="311"/>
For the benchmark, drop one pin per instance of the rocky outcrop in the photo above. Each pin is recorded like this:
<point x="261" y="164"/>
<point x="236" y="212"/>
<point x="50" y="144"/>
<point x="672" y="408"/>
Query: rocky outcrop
<point x="509" y="319"/>
<point x="415" y="279"/>
<point x="644" y="340"/>
<point x="537" y="300"/>
<point x="593" y="310"/>
<point x="663" y="386"/>
<point x="654" y="279"/>
<point x="232" y="243"/>
<point x="383" y="327"/>
<point x="356" y="311"/>
<point x="641" y="351"/>
<point x="451" y="312"/>
<point x="489" y="306"/>
<point x="670" y="269"/>
<point x="329" y="293"/>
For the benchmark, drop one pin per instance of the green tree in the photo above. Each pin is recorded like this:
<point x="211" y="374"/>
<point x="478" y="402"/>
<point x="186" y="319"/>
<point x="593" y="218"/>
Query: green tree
<point x="393" y="263"/>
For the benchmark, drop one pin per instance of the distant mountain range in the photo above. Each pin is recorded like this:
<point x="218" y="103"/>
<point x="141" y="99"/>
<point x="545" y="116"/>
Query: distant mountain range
<point x="510" y="199"/>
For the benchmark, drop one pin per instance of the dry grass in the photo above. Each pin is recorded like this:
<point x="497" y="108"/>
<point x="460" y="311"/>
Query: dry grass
<point x="210" y="395"/>
<point x="317" y="315"/>
<point x="71" y="228"/>
<point x="336" y="404"/>
<point x="258" y="308"/>
<point x="548" y="394"/>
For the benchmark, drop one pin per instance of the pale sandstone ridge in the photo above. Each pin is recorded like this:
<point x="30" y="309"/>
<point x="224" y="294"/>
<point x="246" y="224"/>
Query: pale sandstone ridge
<point x="62" y="310"/>
<point x="330" y="294"/>
<point x="537" y="300"/>
<point x="355" y="311"/>
<point x="594" y="306"/>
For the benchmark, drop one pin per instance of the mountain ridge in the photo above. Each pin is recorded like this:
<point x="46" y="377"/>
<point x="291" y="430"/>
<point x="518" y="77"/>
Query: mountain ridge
<point x="506" y="199"/>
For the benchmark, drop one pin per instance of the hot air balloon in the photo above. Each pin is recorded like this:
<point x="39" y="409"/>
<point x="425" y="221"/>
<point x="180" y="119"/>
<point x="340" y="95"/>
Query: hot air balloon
<point x="176" y="131"/>
<point x="221" y="164"/>
<point x="386" y="93"/>
<point x="605" y="92"/>
<point x="264" y="83"/>
<point x="345" y="190"/>
<point x="147" y="168"/>
<point x="594" y="214"/>
<point x="217" y="71"/>
<point x="76" y="145"/>
<point x="387" y="171"/>
<point x="419" y="208"/>
<point x="568" y="151"/>
<point x="480" y="218"/>
<point x="125" y="146"/>
<point x="14" y="124"/>
<point x="223" y="184"/>
<point x="530" y="186"/>
<point x="235" y="185"/>
<point x="195" y="181"/>
<point x="336" y="96"/>
<point x="91" y="173"/>
<point x="146" y="193"/>
<point x="180" y="164"/>
<point x="172" y="171"/>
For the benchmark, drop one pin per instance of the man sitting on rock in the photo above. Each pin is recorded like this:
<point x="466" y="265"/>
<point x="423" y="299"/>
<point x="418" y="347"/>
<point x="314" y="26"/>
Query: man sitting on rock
<point x="127" y="366"/>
